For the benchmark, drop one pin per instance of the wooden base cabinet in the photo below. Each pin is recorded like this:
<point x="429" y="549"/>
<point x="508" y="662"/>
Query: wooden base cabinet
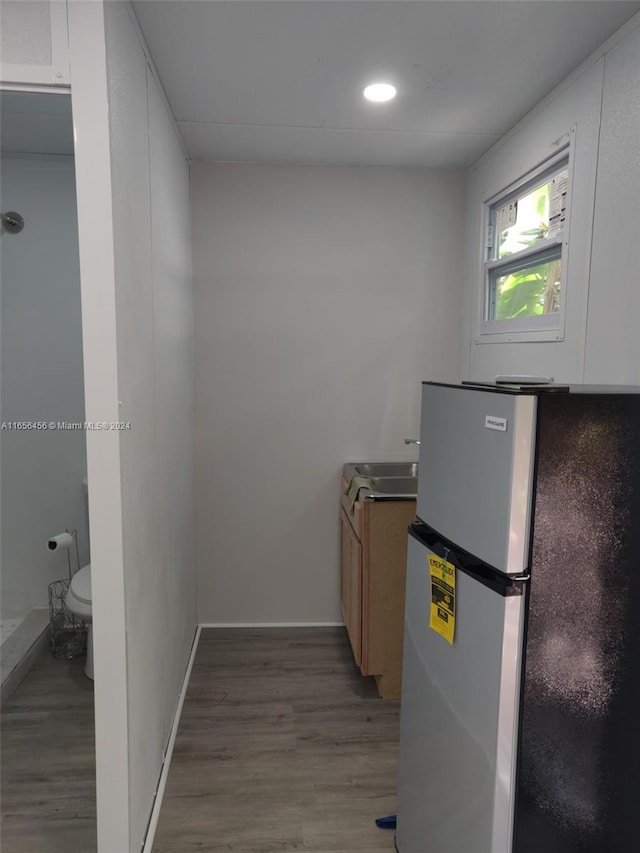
<point x="372" y="581"/>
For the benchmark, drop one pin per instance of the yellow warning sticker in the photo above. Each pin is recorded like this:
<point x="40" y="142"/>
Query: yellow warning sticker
<point x="442" y="617"/>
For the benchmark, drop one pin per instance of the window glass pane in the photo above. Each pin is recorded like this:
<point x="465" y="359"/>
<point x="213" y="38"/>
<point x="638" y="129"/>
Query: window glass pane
<point x="522" y="223"/>
<point x="523" y="262"/>
<point x="526" y="292"/>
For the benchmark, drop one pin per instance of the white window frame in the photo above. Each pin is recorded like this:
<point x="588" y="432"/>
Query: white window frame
<point x="539" y="327"/>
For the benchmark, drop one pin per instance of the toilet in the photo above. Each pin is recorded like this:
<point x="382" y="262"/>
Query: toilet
<point x="78" y="600"/>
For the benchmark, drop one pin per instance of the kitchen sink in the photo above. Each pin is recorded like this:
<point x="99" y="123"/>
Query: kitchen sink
<point x="395" y="470"/>
<point x="390" y="481"/>
<point x="396" y="485"/>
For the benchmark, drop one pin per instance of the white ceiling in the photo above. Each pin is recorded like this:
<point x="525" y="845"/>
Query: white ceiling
<point x="281" y="80"/>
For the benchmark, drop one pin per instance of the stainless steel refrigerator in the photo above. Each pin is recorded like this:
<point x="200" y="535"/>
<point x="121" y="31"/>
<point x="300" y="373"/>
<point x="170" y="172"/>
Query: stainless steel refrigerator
<point x="520" y="715"/>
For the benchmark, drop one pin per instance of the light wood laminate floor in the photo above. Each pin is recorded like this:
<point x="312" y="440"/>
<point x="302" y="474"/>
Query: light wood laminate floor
<point x="48" y="761"/>
<point x="282" y="746"/>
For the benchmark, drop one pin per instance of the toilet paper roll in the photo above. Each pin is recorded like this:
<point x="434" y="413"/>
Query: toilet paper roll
<point x="59" y="542"/>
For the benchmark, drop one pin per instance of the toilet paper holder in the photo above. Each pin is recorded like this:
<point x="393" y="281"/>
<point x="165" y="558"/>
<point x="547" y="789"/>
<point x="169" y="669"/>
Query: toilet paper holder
<point x="68" y="633"/>
<point x="65" y="541"/>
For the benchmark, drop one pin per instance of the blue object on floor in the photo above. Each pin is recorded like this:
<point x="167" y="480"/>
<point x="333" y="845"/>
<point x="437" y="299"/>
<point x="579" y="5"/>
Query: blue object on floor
<point x="388" y="822"/>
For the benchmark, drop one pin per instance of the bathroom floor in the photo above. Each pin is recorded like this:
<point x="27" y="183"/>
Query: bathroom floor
<point x="48" y="761"/>
<point x="282" y="746"/>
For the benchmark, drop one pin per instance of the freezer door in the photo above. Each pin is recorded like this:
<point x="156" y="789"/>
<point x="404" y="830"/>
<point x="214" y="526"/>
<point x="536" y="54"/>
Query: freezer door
<point x="476" y="471"/>
<point x="458" y="719"/>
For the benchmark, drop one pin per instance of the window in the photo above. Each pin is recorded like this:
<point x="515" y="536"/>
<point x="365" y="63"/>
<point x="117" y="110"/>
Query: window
<point x="523" y="267"/>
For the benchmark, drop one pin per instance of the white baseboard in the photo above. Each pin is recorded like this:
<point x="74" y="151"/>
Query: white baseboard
<point x="166" y="763"/>
<point x="271" y="624"/>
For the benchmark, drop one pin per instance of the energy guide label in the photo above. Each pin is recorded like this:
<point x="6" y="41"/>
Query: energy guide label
<point x="442" y="616"/>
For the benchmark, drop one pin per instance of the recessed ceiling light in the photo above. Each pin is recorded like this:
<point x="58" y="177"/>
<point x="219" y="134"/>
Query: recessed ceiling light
<point x="380" y="92"/>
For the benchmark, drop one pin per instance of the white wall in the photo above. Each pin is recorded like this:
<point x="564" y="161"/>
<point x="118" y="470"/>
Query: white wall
<point x="613" y="342"/>
<point x="601" y="100"/>
<point x="133" y="194"/>
<point x="42" y="378"/>
<point x="323" y="297"/>
<point x="154" y="320"/>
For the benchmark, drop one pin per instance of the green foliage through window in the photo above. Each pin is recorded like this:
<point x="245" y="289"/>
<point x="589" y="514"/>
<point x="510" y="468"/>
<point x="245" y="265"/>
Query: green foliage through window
<point x="531" y="225"/>
<point x="533" y="290"/>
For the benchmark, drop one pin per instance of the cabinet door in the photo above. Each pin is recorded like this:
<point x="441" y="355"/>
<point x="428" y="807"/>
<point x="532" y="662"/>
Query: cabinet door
<point x="351" y="585"/>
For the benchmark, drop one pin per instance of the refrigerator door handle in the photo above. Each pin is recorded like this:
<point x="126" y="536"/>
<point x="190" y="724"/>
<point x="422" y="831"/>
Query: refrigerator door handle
<point x="488" y="575"/>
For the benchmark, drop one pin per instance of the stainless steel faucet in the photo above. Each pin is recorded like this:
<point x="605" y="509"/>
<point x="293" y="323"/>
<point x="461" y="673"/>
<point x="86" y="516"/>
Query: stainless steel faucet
<point x="412" y="441"/>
